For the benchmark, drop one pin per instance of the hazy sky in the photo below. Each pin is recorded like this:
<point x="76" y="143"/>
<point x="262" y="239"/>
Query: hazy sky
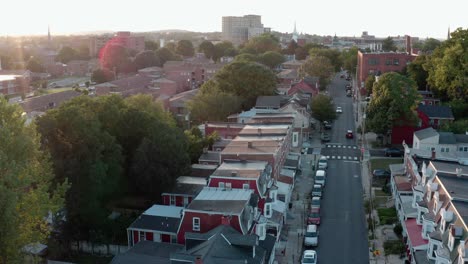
<point x="422" y="18"/>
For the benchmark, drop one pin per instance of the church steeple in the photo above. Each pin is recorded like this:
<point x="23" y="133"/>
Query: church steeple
<point x="295" y="36"/>
<point x="448" y="33"/>
<point x="48" y="34"/>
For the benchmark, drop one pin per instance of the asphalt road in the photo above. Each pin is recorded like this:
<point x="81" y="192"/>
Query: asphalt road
<point x="343" y="233"/>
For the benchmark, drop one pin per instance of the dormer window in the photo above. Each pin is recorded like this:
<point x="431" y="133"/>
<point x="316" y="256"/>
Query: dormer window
<point x="268" y="211"/>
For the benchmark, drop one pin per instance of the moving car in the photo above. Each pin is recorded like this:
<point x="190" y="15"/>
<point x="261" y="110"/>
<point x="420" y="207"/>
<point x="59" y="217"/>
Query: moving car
<point x="325" y="137"/>
<point x="311" y="236"/>
<point x="309" y="257"/>
<point x="317" y="190"/>
<point x="314" y="217"/>
<point x="320" y="177"/>
<point x="327" y="125"/>
<point x="323" y="163"/>
<point x="381" y="173"/>
<point x="349" y="134"/>
<point x="315" y="203"/>
<point x="339" y="109"/>
<point x="393" y="152"/>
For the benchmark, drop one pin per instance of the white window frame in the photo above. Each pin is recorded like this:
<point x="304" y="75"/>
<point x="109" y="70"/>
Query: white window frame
<point x="451" y="242"/>
<point x="141" y="236"/>
<point x="172" y="200"/>
<point x="268" y="210"/>
<point x="196" y="223"/>
<point x="245" y="186"/>
<point x="221" y="185"/>
<point x="228" y="185"/>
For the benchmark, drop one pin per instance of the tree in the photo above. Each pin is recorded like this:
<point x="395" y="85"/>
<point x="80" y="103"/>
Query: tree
<point x="291" y="49"/>
<point x="349" y="58"/>
<point x="459" y="126"/>
<point x="394" y="101"/>
<point x="271" y="59"/>
<point x="247" y="80"/>
<point x="102" y="76"/>
<point x="332" y="54"/>
<point x="369" y="83"/>
<point x="171" y="46"/>
<point x="6" y="63"/>
<point x="247" y="57"/>
<point x="416" y="71"/>
<point x="146" y="59"/>
<point x="185" y="48"/>
<point x="263" y="43"/>
<point x="388" y="44"/>
<point x="212" y="104"/>
<point x="83" y="53"/>
<point x="115" y="57"/>
<point x="318" y="66"/>
<point x="35" y="65"/>
<point x="430" y="45"/>
<point x="322" y="108"/>
<point x="67" y="54"/>
<point x="448" y="69"/>
<point x="195" y="143"/>
<point x="301" y="53"/>
<point x="224" y="48"/>
<point x="165" y="54"/>
<point x="27" y="191"/>
<point x="207" y="48"/>
<point x="151" y="45"/>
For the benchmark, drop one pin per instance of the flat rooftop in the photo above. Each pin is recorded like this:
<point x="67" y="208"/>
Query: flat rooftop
<point x="241" y="169"/>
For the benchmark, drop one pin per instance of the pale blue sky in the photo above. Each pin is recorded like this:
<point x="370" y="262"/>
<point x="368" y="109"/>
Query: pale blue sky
<point x="422" y="18"/>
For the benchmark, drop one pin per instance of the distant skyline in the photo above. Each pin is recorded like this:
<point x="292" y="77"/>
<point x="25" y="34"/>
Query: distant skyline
<point x="417" y="18"/>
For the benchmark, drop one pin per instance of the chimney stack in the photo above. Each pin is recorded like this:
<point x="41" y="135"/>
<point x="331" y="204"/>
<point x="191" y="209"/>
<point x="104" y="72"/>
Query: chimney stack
<point x="226" y="220"/>
<point x="459" y="172"/>
<point x="198" y="260"/>
<point x="249" y="144"/>
<point x="259" y="131"/>
<point x="408" y="45"/>
<point x="433" y="154"/>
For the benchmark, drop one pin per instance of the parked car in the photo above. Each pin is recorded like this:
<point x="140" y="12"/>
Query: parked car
<point x="323" y="163"/>
<point x="320" y="177"/>
<point x="325" y="137"/>
<point x="339" y="109"/>
<point x="311" y="236"/>
<point x="314" y="217"/>
<point x="309" y="257"/>
<point x="342" y="76"/>
<point x="304" y="150"/>
<point x="348" y="78"/>
<point x="348" y="86"/>
<point x="381" y="173"/>
<point x="327" y="125"/>
<point x="393" y="152"/>
<point x="317" y="190"/>
<point x="315" y="203"/>
<point x="349" y="93"/>
<point x="349" y="134"/>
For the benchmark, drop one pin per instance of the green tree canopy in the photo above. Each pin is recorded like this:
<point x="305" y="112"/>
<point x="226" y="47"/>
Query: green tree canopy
<point x="291" y="49"/>
<point x="388" y="44"/>
<point x="207" y="48"/>
<point x="318" y="66"/>
<point x="459" y="126"/>
<point x="185" y="48"/>
<point x="430" y="45"/>
<point x="146" y="59"/>
<point x="322" y="108"/>
<point x="369" y="83"/>
<point x="271" y="59"/>
<point x="102" y="76"/>
<point x="6" y="62"/>
<point x="349" y="58"/>
<point x="416" y="71"/>
<point x="263" y="43"/>
<point x="332" y="54"/>
<point x="448" y="69"/>
<point x="67" y="54"/>
<point x="27" y="191"/>
<point x="35" y="65"/>
<point x="301" y="53"/>
<point x="151" y="45"/>
<point x="165" y="54"/>
<point x="224" y="48"/>
<point x="115" y="57"/>
<point x="394" y="101"/>
<point x="247" y="57"/>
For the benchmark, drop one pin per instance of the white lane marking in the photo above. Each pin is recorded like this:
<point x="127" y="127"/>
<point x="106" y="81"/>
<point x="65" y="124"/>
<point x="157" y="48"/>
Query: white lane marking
<point x="355" y="158"/>
<point x="328" y="157"/>
<point x="356" y="176"/>
<point x="351" y="161"/>
<point x="354" y="147"/>
<point x="338" y="157"/>
<point x="333" y="157"/>
<point x="349" y="157"/>
<point x="339" y="146"/>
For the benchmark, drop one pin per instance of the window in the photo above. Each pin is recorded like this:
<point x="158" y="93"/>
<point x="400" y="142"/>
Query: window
<point x="173" y="200"/>
<point x="221" y="185"/>
<point x="388" y="62"/>
<point x="268" y="212"/>
<point x="373" y="61"/>
<point x="245" y="186"/>
<point x="396" y="62"/>
<point x="444" y="150"/>
<point x="228" y="185"/>
<point x="142" y="236"/>
<point x="196" y="224"/>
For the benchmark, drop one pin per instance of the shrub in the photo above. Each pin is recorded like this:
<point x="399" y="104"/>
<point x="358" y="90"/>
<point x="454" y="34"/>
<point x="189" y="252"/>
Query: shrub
<point x="394" y="247"/>
<point x="387" y="216"/>
<point x="398" y="229"/>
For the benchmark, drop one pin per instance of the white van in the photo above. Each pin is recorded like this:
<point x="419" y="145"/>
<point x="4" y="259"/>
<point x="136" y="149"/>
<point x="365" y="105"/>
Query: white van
<point x="311" y="236"/>
<point x="320" y="177"/>
<point x="323" y="163"/>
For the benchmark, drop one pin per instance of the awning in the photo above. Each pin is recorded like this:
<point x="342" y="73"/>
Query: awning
<point x="415" y="234"/>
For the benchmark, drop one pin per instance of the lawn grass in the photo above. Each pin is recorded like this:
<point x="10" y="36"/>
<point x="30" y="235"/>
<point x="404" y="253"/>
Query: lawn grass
<point x="58" y="90"/>
<point x="380" y="193"/>
<point x="387" y="216"/>
<point x="383" y="163"/>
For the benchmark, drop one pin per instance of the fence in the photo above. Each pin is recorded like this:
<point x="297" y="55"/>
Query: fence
<point x="98" y="249"/>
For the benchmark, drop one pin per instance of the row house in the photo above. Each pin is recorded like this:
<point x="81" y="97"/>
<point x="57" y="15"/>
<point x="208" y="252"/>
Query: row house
<point x="210" y="157"/>
<point x="219" y="206"/>
<point x="184" y="191"/>
<point x="434" y="115"/>
<point x="14" y="81"/>
<point x="432" y="203"/>
<point x="158" y="224"/>
<point x="178" y="105"/>
<point x="224" y="130"/>
<point x="428" y="98"/>
<point x="308" y="86"/>
<point x="190" y="74"/>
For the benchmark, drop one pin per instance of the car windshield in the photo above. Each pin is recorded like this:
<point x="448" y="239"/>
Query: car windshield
<point x="317" y="189"/>
<point x="311" y="234"/>
<point x="315" y="215"/>
<point x="316" y="202"/>
<point x="320" y="178"/>
<point x="309" y="259"/>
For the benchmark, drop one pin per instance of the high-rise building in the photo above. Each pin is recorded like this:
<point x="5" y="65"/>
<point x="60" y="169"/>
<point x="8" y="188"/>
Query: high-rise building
<point x="240" y="29"/>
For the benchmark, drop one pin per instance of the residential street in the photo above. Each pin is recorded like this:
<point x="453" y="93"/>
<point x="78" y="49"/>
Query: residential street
<point x="343" y="233"/>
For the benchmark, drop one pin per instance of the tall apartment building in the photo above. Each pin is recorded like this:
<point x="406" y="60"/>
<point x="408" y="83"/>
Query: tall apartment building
<point x="240" y="29"/>
<point x="123" y="38"/>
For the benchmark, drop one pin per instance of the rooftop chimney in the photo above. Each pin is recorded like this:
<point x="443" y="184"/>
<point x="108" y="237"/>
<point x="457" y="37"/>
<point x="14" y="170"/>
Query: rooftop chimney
<point x="226" y="220"/>
<point x="408" y="45"/>
<point x="249" y="144"/>
<point x="459" y="172"/>
<point x="259" y="131"/>
<point x="233" y="173"/>
<point x="433" y="154"/>
<point x="198" y="260"/>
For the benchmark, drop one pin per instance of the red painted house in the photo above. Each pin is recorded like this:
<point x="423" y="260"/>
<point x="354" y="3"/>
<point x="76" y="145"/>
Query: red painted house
<point x="159" y="224"/>
<point x="304" y="88"/>
<point x="254" y="175"/>
<point x="216" y="206"/>
<point x="185" y="190"/>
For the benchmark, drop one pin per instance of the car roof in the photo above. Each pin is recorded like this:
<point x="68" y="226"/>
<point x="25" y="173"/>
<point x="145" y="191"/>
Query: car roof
<point x="316" y="198"/>
<point x="311" y="228"/>
<point x="310" y="252"/>
<point x="349" y="131"/>
<point x="317" y="186"/>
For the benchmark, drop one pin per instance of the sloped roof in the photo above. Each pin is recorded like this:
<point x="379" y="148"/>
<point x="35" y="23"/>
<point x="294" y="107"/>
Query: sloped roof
<point x="461" y="138"/>
<point x="436" y="111"/>
<point x="44" y="102"/>
<point x="447" y="138"/>
<point x="162" y="218"/>
<point x="147" y="252"/>
<point x="426" y="133"/>
<point x="273" y="101"/>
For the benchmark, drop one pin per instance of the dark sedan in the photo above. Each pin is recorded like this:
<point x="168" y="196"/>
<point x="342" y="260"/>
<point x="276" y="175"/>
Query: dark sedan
<point x="381" y="173"/>
<point x="393" y="152"/>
